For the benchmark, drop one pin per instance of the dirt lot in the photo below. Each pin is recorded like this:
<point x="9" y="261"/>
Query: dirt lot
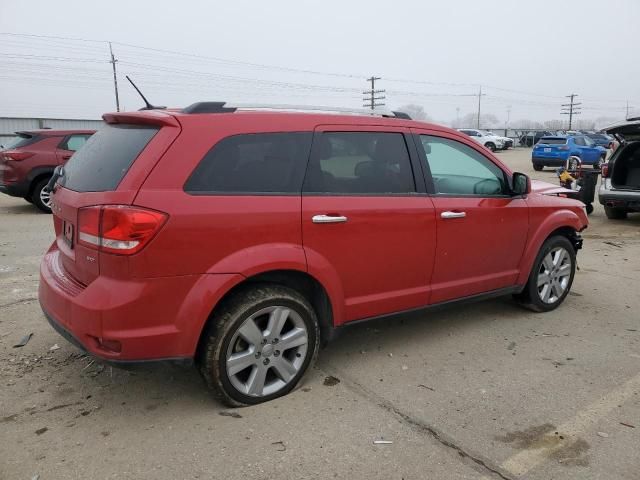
<point x="481" y="391"/>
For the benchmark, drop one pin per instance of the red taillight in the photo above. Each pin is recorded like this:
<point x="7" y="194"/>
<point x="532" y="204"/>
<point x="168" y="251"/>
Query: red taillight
<point x="118" y="229"/>
<point x="15" y="155"/>
<point x="604" y="170"/>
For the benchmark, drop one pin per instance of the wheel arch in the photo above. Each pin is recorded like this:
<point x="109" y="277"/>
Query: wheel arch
<point x="562" y="222"/>
<point x="300" y="281"/>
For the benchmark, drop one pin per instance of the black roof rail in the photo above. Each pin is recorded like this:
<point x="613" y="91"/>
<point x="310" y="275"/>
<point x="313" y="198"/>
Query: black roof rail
<point x="208" y="107"/>
<point x="403" y="115"/>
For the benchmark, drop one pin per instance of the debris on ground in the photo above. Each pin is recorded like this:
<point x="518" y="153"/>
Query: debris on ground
<point x="54" y="347"/>
<point x="330" y="381"/>
<point x="40" y="431"/>
<point x="404" y="367"/>
<point x="382" y="442"/>
<point x="225" y="413"/>
<point x="428" y="388"/>
<point x="281" y="444"/>
<point x="24" y="340"/>
<point x="614" y="244"/>
<point x="511" y="346"/>
<point x="627" y="425"/>
<point x="603" y="435"/>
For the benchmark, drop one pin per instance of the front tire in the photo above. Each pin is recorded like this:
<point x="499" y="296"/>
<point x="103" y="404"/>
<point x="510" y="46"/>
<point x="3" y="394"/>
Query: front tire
<point x="613" y="213"/>
<point x="40" y="197"/>
<point x="491" y="146"/>
<point x="551" y="276"/>
<point x="259" y="344"/>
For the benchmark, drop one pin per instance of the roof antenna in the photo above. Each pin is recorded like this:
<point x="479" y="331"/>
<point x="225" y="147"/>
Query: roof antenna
<point x="147" y="106"/>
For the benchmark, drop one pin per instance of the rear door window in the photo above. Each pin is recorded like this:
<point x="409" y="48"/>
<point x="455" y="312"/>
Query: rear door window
<point x="106" y="157"/>
<point x="253" y="163"/>
<point x="359" y="163"/>
<point x="74" y="142"/>
<point x="580" y="141"/>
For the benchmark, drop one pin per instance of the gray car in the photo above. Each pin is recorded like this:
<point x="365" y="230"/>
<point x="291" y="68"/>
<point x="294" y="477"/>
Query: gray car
<point x="620" y="188"/>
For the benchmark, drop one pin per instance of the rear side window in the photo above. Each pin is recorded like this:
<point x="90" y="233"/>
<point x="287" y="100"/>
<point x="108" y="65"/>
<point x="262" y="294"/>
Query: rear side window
<point x="553" y="141"/>
<point x="359" y="163"/>
<point x="253" y="163"/>
<point x="74" y="142"/>
<point x="580" y="141"/>
<point x="104" y="160"/>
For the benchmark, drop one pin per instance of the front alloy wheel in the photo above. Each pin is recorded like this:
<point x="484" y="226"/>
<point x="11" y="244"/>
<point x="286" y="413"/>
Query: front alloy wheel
<point x="553" y="275"/>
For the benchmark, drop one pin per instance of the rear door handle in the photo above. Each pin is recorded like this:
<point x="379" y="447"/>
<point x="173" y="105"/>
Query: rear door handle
<point x="328" y="219"/>
<point x="447" y="215"/>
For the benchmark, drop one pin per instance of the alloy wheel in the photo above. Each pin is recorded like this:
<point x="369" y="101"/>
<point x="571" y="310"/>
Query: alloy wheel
<point x="554" y="275"/>
<point x="45" y="197"/>
<point x="267" y="351"/>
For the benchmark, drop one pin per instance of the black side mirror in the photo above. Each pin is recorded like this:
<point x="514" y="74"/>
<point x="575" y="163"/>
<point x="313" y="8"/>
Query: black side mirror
<point x="520" y="184"/>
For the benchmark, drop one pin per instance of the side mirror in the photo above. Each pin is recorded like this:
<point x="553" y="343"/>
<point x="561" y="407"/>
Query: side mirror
<point x="520" y="184"/>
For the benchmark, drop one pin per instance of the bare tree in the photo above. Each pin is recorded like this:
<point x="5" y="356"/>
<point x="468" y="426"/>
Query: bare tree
<point x="470" y="120"/>
<point x="416" y="112"/>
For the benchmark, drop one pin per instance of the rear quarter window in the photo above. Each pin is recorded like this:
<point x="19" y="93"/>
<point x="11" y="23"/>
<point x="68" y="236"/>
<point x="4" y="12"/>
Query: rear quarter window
<point x="553" y="141"/>
<point x="253" y="163"/>
<point x="22" y="140"/>
<point x="104" y="160"/>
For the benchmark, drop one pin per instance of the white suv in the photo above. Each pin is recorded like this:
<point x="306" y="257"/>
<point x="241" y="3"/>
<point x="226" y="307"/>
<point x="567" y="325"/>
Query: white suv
<point x="488" y="139"/>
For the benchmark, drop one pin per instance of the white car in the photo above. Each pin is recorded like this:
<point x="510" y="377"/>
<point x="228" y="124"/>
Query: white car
<point x="488" y="139"/>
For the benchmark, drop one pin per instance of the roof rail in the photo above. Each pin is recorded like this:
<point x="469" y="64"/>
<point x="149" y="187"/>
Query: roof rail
<point x="227" y="107"/>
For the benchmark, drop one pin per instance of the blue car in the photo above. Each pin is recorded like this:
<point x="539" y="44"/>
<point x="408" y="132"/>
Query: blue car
<point x="555" y="151"/>
<point x="601" y="139"/>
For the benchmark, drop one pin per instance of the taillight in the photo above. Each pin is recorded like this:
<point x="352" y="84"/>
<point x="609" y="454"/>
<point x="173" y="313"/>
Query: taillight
<point x="15" y="155"/>
<point x="604" y="170"/>
<point x="118" y="229"/>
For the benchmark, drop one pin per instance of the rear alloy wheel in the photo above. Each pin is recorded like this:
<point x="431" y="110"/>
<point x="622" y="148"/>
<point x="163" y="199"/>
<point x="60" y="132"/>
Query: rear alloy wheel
<point x="41" y="197"/>
<point x="613" y="213"/>
<point x="573" y="163"/>
<point x="551" y="277"/>
<point x="491" y="146"/>
<point x="259" y="345"/>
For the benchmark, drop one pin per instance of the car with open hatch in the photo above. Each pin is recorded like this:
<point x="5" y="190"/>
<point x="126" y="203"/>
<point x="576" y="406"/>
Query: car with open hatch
<point x="241" y="239"/>
<point x="620" y="187"/>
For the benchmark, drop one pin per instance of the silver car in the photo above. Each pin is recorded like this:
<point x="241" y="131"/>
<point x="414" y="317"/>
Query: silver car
<point x="620" y="188"/>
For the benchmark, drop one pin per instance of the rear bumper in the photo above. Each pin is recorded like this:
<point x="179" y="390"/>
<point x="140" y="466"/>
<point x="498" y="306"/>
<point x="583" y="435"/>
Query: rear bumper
<point x="147" y="319"/>
<point x="619" y="198"/>
<point x="20" y="189"/>
<point x="549" y="161"/>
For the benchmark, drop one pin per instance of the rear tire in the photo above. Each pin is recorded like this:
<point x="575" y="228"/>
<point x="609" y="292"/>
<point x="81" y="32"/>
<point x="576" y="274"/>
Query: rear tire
<point x="491" y="146"/>
<point x="573" y="163"/>
<point x="538" y="167"/>
<point x="40" y="198"/>
<point x="613" y="213"/>
<point x="599" y="163"/>
<point x="259" y="344"/>
<point x="551" y="276"/>
<point x="589" y="208"/>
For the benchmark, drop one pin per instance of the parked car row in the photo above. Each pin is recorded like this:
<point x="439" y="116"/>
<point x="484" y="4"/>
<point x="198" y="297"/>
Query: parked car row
<point x="246" y="248"/>
<point x="488" y="139"/>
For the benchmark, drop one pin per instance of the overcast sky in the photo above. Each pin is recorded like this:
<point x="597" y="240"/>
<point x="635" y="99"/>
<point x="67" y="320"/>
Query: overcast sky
<point x="526" y="55"/>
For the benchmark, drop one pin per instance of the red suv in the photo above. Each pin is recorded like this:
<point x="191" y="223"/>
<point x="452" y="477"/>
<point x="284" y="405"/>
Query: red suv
<point x="27" y="163"/>
<point x="243" y="239"/>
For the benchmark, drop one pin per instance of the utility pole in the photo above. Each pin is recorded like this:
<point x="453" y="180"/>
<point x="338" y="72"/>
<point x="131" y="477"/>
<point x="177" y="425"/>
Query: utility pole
<point x="571" y="108"/>
<point x="506" y="124"/>
<point x="626" y="117"/>
<point x="480" y="95"/>
<point x="115" y="77"/>
<point x="373" y="95"/>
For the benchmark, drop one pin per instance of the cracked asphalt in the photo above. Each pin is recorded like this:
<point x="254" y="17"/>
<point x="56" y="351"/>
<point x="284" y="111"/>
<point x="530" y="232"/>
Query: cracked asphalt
<point x="482" y="391"/>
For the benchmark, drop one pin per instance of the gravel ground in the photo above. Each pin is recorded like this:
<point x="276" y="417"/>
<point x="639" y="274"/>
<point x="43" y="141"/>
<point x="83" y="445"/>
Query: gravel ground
<point x="479" y="391"/>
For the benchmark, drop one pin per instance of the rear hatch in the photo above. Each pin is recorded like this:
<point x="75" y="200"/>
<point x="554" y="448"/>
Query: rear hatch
<point x="551" y="147"/>
<point x="629" y="130"/>
<point x="107" y="170"/>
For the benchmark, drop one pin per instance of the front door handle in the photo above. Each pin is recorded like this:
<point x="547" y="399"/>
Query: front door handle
<point x="328" y="219"/>
<point x="447" y="215"/>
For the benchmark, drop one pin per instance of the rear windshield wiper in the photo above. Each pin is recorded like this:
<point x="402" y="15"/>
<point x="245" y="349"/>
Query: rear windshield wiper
<point x="57" y="174"/>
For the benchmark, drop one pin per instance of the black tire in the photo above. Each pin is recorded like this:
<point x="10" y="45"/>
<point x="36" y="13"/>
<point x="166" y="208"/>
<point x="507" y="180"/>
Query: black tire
<point x="589" y="208"/>
<point x="613" y="213"/>
<point x="226" y="322"/>
<point x="28" y="199"/>
<point x="537" y="167"/>
<point x="530" y="297"/>
<point x="35" y="196"/>
<point x="491" y="146"/>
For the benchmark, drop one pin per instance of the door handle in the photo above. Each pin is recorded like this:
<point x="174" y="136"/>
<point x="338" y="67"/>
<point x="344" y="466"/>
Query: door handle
<point x="447" y="215"/>
<point x="328" y="219"/>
